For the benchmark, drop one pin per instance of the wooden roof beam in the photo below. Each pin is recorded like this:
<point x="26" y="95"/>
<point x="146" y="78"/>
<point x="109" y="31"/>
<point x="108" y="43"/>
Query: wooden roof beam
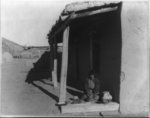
<point x="89" y="13"/>
<point x="80" y="15"/>
<point x="63" y="26"/>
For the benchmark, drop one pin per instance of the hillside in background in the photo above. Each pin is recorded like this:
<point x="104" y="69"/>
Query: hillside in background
<point x="19" y="51"/>
<point x="11" y="47"/>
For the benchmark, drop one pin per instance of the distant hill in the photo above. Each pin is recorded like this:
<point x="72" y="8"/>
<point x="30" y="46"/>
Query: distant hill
<point x="11" y="47"/>
<point x="19" y="51"/>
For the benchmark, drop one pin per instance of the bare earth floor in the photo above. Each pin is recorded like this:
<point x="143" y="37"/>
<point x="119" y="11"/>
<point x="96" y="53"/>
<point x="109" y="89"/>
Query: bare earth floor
<point x="23" y="99"/>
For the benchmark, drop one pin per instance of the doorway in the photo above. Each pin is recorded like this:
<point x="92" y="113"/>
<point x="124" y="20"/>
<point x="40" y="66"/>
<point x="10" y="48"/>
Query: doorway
<point x="105" y="55"/>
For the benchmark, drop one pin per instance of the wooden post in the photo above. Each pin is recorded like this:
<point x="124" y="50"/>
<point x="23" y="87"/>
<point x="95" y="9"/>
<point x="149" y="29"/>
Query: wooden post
<point x="54" y="72"/>
<point x="77" y="61"/>
<point x="51" y="59"/>
<point x="91" y="53"/>
<point x="64" y="66"/>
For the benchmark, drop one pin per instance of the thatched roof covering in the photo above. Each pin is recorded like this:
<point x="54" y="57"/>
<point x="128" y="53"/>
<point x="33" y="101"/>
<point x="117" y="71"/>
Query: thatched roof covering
<point x="81" y="6"/>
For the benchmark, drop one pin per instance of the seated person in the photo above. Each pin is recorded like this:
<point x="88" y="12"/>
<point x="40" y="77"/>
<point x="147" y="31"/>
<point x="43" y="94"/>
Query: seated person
<point x="91" y="88"/>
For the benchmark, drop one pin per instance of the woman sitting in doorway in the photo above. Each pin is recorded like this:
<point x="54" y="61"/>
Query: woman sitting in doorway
<point x="91" y="88"/>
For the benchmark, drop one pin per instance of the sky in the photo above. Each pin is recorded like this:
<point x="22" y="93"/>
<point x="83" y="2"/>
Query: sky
<point x="27" y="22"/>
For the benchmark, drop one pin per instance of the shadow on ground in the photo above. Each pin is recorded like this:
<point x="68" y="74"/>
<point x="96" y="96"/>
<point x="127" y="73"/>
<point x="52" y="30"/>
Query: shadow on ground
<point x="41" y="70"/>
<point x="46" y="92"/>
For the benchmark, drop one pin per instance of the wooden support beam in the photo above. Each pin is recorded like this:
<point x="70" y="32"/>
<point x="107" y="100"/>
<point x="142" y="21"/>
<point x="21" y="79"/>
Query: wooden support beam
<point x="91" y="53"/>
<point x="64" y="25"/>
<point x="64" y="67"/>
<point x="77" y="61"/>
<point x="89" y="13"/>
<point x="54" y="72"/>
<point x="80" y="15"/>
<point x="51" y="59"/>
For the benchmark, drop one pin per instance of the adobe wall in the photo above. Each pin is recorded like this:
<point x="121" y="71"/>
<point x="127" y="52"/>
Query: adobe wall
<point x="134" y="94"/>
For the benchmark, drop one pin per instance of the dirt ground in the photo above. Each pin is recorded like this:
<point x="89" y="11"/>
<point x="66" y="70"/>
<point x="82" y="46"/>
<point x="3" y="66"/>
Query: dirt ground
<point x="19" y="98"/>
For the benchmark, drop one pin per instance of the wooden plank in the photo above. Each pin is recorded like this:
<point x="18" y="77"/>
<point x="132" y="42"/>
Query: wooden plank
<point x="89" y="13"/>
<point x="89" y="107"/>
<point x="62" y="97"/>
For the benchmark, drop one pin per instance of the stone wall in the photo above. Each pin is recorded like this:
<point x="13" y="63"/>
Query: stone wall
<point x="134" y="94"/>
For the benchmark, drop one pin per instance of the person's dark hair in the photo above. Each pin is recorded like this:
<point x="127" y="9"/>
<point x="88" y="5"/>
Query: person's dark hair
<point x="91" y="73"/>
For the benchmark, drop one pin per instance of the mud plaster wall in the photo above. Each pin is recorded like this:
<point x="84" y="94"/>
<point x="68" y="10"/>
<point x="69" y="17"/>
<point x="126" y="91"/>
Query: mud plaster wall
<point x="134" y="94"/>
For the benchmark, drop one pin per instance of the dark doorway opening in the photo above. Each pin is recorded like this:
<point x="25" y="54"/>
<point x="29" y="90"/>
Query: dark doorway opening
<point x="106" y="51"/>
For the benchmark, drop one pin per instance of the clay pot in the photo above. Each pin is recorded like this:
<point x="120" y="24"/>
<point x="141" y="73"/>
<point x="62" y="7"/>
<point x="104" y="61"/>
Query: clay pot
<point x="106" y="97"/>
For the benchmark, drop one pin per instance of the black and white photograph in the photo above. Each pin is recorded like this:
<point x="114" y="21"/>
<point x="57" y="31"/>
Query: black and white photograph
<point x="75" y="58"/>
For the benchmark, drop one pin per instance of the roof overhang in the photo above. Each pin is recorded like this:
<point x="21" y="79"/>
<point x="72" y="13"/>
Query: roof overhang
<point x="83" y="9"/>
<point x="81" y="6"/>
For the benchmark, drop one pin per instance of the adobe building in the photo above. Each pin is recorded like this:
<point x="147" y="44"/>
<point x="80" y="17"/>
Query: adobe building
<point x="112" y="39"/>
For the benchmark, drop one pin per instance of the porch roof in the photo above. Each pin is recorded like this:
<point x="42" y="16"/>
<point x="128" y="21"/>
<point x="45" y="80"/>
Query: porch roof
<point x="88" y="5"/>
<point x="80" y="9"/>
